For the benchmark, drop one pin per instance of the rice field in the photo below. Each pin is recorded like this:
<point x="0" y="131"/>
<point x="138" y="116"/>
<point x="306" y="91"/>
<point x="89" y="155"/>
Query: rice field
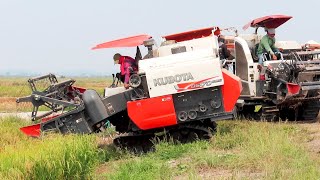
<point x="13" y="87"/>
<point x="239" y="150"/>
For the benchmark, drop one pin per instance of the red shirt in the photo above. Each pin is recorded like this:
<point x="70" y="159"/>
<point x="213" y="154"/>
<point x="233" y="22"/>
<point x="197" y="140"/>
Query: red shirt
<point x="125" y="63"/>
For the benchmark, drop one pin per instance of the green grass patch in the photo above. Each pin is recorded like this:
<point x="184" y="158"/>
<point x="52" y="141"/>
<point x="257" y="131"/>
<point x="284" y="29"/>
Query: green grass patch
<point x="169" y="150"/>
<point x="18" y="86"/>
<point x="273" y="149"/>
<point x="244" y="149"/>
<point x="142" y="168"/>
<point x="51" y="157"/>
<point x="14" y="87"/>
<point x="10" y="133"/>
<point x="240" y="149"/>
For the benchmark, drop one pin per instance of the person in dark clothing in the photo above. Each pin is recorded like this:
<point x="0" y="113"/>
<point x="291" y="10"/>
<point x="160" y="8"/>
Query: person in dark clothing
<point x="223" y="50"/>
<point x="225" y="55"/>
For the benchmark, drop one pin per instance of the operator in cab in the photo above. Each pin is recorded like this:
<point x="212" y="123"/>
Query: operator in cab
<point x="267" y="45"/>
<point x="225" y="54"/>
<point x="128" y="66"/>
<point x="223" y="50"/>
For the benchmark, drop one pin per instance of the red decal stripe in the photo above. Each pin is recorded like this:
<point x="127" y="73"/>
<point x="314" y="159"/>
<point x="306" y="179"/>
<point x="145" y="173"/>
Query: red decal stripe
<point x="191" y="85"/>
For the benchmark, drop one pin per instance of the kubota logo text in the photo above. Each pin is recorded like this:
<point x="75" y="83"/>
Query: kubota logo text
<point x="173" y="79"/>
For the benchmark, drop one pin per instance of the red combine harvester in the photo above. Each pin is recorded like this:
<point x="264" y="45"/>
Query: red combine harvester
<point x="180" y="89"/>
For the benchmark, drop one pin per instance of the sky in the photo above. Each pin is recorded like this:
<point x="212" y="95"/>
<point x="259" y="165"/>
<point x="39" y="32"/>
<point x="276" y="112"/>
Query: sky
<point x="42" y="36"/>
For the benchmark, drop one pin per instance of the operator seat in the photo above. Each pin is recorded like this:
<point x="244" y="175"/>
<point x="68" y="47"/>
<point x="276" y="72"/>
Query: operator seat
<point x="253" y="41"/>
<point x="254" y="54"/>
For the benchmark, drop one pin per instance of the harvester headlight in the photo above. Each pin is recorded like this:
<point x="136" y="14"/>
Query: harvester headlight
<point x="215" y="104"/>
<point x="182" y="115"/>
<point x="203" y="108"/>
<point x="135" y="80"/>
<point x="192" y="114"/>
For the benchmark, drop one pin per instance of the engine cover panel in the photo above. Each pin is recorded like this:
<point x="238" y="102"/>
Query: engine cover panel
<point x="200" y="104"/>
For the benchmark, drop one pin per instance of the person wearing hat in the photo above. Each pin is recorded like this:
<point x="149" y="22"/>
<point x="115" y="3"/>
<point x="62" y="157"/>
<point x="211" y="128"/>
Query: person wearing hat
<point x="267" y="45"/>
<point x="128" y="65"/>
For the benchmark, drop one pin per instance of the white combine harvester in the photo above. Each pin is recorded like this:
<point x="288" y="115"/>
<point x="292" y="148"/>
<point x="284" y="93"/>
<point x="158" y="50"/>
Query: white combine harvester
<point x="288" y="87"/>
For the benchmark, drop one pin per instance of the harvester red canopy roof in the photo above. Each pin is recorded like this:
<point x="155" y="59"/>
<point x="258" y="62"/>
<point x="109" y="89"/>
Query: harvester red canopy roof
<point x="188" y="35"/>
<point x="124" y="42"/>
<point x="272" y="21"/>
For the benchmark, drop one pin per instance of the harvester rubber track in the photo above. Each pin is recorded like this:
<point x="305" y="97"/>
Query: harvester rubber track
<point x="270" y="113"/>
<point x="310" y="111"/>
<point x="142" y="143"/>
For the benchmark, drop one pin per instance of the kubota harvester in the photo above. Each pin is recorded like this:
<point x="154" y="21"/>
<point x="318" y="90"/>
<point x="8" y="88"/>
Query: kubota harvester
<point x="286" y="88"/>
<point x="179" y="89"/>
